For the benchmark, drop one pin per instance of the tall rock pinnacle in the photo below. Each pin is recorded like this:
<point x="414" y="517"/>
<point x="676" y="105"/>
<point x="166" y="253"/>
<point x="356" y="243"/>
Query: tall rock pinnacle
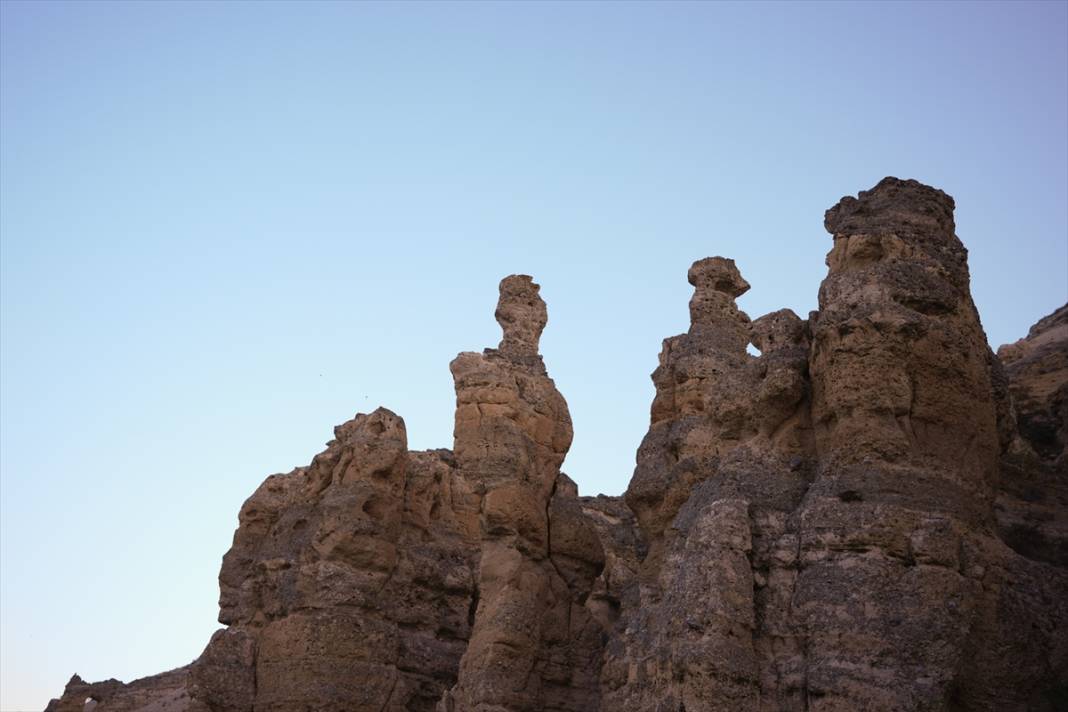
<point x="899" y="364"/>
<point x="534" y="646"/>
<point x="522" y="315"/>
<point x="717" y="283"/>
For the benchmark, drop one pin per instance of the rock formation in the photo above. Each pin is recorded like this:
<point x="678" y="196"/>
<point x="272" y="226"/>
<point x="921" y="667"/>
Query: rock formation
<point x="872" y="514"/>
<point x="533" y="645"/>
<point x="1032" y="506"/>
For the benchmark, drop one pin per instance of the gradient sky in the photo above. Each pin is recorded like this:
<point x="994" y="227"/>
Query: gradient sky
<point x="226" y="228"/>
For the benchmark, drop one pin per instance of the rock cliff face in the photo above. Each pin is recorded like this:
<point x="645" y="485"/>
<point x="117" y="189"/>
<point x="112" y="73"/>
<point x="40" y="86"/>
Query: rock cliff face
<point x="1032" y="506"/>
<point x="872" y="514"/>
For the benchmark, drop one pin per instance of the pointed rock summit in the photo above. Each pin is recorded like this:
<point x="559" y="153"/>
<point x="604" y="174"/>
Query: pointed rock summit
<point x="522" y="314"/>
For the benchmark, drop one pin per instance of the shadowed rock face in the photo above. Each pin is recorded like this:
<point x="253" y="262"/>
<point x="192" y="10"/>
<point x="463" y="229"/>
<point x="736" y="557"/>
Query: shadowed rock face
<point x="871" y="514"/>
<point x="1032" y="504"/>
<point x="1037" y="368"/>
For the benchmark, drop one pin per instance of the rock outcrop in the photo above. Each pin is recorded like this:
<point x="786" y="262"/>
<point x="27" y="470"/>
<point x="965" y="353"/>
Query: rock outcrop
<point x="533" y="645"/>
<point x="166" y="692"/>
<point x="350" y="582"/>
<point x="820" y="517"/>
<point x="1032" y="506"/>
<point x="871" y="514"/>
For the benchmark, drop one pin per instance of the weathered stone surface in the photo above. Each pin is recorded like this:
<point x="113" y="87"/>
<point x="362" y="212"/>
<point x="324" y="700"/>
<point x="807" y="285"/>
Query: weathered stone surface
<point x="1032" y="503"/>
<point x="534" y="645"/>
<point x="843" y="484"/>
<point x="726" y="459"/>
<point x="166" y="692"/>
<point x="901" y="396"/>
<point x="624" y="548"/>
<point x="1037" y="368"/>
<point x="350" y="582"/>
<point x="872" y="514"/>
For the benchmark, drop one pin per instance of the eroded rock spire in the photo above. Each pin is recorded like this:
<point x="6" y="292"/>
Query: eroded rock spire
<point x="522" y="314"/>
<point x="727" y="429"/>
<point x="533" y="646"/>
<point x="717" y="283"/>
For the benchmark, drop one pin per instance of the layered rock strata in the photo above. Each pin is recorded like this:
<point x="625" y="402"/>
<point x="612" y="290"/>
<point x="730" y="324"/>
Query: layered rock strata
<point x="871" y="514"/>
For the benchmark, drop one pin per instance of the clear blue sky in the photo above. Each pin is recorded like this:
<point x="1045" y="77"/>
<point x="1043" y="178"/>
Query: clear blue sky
<point x="228" y="227"/>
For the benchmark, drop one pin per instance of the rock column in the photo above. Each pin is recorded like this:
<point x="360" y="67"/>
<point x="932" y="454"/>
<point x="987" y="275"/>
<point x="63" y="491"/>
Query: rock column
<point x="533" y="645"/>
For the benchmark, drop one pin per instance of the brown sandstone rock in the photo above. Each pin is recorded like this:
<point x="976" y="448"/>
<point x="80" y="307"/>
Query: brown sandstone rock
<point x="724" y="463"/>
<point x="1037" y="368"/>
<point x="844" y="491"/>
<point x="1032" y="504"/>
<point x="350" y="582"/>
<point x="907" y="444"/>
<point x="872" y="514"/>
<point x="534" y="645"/>
<point x="166" y="692"/>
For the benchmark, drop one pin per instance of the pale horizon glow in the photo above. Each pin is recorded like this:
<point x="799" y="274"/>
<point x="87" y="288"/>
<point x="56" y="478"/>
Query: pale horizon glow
<point x="226" y="228"/>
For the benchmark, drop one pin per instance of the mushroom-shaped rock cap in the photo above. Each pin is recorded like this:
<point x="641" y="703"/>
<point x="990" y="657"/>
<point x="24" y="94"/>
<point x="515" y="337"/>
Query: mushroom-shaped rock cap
<point x="717" y="282"/>
<point x="718" y="274"/>
<point x="893" y="205"/>
<point x="521" y="313"/>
